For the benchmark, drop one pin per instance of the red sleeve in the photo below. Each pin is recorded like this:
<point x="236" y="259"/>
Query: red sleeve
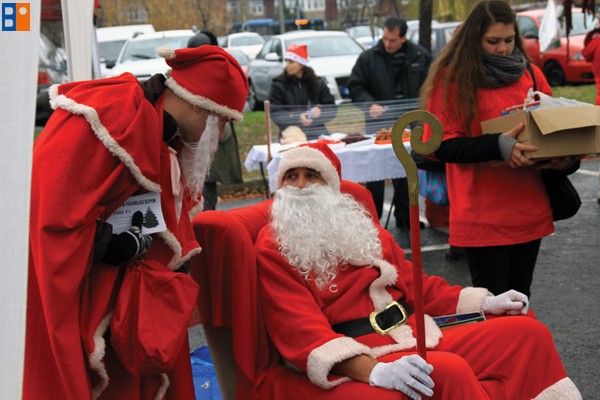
<point x="589" y="50"/>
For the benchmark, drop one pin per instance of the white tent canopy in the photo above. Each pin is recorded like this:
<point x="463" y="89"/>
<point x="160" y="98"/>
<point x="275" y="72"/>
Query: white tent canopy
<point x="19" y="72"/>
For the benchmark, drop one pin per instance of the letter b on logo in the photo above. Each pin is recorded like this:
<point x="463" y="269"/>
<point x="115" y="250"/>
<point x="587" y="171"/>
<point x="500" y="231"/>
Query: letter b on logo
<point x="15" y="16"/>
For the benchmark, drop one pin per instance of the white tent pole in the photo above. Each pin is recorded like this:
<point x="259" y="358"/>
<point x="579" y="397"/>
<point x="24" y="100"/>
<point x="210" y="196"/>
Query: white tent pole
<point x="17" y="105"/>
<point x="78" y="25"/>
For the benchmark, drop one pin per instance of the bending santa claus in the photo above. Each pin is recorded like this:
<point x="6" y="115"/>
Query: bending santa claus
<point x="337" y="298"/>
<point x="106" y="141"/>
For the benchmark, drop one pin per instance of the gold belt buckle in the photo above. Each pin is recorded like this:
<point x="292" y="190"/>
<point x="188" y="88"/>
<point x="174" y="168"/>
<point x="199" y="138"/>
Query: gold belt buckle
<point x="379" y="329"/>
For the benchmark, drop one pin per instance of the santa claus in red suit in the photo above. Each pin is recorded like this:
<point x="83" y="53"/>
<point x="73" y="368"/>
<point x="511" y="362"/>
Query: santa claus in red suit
<point x="337" y="298"/>
<point x="108" y="140"/>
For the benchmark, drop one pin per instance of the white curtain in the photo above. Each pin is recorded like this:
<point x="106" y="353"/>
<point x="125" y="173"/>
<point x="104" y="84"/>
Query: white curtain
<point x="78" y="26"/>
<point x="18" y="70"/>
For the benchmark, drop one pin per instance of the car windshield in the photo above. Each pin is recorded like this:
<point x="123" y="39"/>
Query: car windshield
<point x="327" y="46"/>
<point x="582" y="24"/>
<point x="110" y="50"/>
<point x="240" y="57"/>
<point x="146" y="49"/>
<point x="360" y="31"/>
<point x="246" y="41"/>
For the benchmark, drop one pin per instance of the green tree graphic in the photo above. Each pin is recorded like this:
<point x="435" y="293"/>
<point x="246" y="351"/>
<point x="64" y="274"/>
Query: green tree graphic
<point x="150" y="220"/>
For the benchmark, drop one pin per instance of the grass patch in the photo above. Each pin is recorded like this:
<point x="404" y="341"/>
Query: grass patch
<point x="585" y="93"/>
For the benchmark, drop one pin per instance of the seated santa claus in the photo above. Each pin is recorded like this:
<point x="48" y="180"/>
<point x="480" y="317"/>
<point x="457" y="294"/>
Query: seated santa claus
<point x="337" y="297"/>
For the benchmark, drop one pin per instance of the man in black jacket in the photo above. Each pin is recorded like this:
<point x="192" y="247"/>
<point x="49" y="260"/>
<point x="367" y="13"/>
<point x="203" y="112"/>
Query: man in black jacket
<point x="393" y="69"/>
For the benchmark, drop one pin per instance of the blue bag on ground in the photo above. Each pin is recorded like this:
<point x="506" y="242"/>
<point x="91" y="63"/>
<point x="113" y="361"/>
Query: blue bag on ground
<point x="206" y="386"/>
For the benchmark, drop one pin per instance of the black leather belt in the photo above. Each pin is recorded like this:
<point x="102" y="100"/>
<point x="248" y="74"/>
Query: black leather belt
<point x="394" y="314"/>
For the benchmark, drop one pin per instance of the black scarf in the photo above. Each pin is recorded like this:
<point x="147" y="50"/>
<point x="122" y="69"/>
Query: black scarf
<point x="499" y="70"/>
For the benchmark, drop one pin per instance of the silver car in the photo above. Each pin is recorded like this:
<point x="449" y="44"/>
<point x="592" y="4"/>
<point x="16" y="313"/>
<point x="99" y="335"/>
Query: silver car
<point x="331" y="54"/>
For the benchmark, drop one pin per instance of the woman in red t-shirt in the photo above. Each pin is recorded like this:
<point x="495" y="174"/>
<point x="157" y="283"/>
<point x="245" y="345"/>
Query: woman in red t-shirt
<point x="591" y="52"/>
<point x="499" y="210"/>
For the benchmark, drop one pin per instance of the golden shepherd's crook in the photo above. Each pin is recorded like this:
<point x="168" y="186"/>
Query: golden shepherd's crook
<point x="413" y="194"/>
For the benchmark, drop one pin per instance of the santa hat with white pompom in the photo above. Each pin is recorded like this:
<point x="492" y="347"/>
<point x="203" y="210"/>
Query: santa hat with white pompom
<point x="208" y="77"/>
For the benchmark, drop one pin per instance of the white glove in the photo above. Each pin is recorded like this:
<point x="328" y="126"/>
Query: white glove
<point x="510" y="302"/>
<point x="409" y="374"/>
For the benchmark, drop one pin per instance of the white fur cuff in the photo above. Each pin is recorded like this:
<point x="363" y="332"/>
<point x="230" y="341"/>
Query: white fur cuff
<point x="470" y="299"/>
<point x="564" y="389"/>
<point x="323" y="358"/>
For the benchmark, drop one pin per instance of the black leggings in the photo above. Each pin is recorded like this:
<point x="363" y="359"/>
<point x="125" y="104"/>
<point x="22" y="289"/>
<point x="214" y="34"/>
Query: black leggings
<point x="500" y="268"/>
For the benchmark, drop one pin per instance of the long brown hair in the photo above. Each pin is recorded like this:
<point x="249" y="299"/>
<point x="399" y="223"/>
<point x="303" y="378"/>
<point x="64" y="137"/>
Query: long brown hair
<point x="461" y="61"/>
<point x="590" y="35"/>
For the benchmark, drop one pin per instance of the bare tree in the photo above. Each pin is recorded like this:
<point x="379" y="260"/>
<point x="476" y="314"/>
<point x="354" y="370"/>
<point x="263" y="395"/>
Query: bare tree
<point x="355" y="12"/>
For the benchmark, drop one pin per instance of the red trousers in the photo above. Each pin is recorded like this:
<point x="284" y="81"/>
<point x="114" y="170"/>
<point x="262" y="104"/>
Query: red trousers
<point x="501" y="358"/>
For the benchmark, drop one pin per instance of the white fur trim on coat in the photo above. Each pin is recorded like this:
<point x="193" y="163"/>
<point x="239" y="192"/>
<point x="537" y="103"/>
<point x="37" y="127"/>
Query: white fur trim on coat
<point x="203" y="102"/>
<point x="564" y="389"/>
<point x="470" y="299"/>
<point x="178" y="259"/>
<point x="199" y="207"/>
<point x="307" y="157"/>
<point x="377" y="290"/>
<point x="91" y="116"/>
<point x="97" y="355"/>
<point x="166" y="52"/>
<point x="162" y="390"/>
<point x="403" y="334"/>
<point x="323" y="358"/>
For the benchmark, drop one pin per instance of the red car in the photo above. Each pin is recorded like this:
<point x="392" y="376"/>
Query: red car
<point x="564" y="64"/>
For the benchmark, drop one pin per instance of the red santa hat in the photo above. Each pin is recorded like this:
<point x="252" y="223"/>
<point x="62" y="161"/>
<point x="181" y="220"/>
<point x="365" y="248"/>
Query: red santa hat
<point x="317" y="156"/>
<point x="208" y="77"/>
<point x="298" y="53"/>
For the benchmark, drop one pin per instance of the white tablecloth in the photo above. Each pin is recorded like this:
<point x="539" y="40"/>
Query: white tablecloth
<point x="361" y="161"/>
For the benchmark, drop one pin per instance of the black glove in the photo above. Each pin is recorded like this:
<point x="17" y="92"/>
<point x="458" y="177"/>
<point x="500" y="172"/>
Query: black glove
<point x="128" y="244"/>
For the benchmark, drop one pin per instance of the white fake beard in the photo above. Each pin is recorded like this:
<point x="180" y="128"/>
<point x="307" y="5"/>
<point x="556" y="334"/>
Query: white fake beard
<point x="196" y="158"/>
<point x="317" y="229"/>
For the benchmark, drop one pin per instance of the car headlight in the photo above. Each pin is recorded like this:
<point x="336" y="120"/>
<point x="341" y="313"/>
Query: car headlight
<point x="578" y="56"/>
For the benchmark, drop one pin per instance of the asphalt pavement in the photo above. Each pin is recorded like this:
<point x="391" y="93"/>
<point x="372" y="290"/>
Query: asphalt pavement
<point x="566" y="285"/>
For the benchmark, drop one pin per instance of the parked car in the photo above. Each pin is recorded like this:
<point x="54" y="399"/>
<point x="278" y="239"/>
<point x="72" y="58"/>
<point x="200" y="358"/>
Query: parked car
<point x="441" y="33"/>
<point x="139" y="57"/>
<point x="241" y="58"/>
<point x="52" y="69"/>
<point x="365" y="36"/>
<point x="331" y="54"/>
<point x="248" y="42"/>
<point x="563" y="64"/>
<point x="111" y="39"/>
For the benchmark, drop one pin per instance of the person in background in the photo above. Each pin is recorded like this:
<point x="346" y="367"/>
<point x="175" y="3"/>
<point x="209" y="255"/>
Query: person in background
<point x="591" y="52"/>
<point x="299" y="97"/>
<point x="393" y="69"/>
<point x="325" y="266"/>
<point x="226" y="166"/>
<point x="499" y="209"/>
<point x="106" y="141"/>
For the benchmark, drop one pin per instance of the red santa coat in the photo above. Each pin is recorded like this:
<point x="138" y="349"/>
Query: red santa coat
<point x="496" y="359"/>
<point x="493" y="205"/>
<point x="312" y="346"/>
<point x="103" y="144"/>
<point x="591" y="53"/>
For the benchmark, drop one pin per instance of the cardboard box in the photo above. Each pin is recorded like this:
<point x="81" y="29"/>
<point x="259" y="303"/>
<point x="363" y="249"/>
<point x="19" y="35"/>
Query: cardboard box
<point x="556" y="132"/>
